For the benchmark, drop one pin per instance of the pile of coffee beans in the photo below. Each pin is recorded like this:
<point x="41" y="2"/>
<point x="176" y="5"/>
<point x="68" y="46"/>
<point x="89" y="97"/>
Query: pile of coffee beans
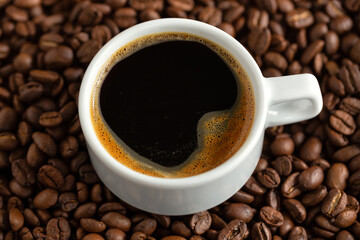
<point x="307" y="182"/>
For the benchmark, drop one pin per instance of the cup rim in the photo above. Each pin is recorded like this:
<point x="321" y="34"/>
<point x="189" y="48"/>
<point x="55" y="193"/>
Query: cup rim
<point x="100" y="58"/>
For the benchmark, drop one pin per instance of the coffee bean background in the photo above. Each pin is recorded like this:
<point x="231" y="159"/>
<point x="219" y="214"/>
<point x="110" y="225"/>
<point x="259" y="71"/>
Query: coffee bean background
<point x="307" y="182"/>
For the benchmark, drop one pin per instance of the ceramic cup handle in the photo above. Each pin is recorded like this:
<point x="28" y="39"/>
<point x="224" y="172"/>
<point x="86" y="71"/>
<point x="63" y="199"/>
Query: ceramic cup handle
<point x="292" y="99"/>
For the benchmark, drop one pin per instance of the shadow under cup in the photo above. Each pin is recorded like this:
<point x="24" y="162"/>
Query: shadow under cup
<point x="220" y="134"/>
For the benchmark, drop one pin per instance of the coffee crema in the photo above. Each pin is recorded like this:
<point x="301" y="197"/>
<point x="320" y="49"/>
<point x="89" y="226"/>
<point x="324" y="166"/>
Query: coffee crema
<point x="172" y="105"/>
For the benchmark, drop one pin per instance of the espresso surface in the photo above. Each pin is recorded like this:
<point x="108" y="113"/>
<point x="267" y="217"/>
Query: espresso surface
<point x="172" y="105"/>
<point x="153" y="99"/>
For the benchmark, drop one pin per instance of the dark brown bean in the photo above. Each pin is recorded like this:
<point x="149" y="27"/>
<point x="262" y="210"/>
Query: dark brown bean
<point x="57" y="227"/>
<point x="87" y="210"/>
<point x="295" y="209"/>
<point x="236" y="229"/>
<point x="92" y="225"/>
<point x="315" y="196"/>
<point x="282" y="145"/>
<point x="22" y="173"/>
<point x="50" y="176"/>
<point x="261" y="231"/>
<point x="115" y="234"/>
<point x="269" y="178"/>
<point x="311" y="178"/>
<point x="200" y="222"/>
<point x="239" y="211"/>
<point x="116" y="220"/>
<point x="299" y="18"/>
<point x="271" y="217"/>
<point x="334" y="203"/>
<point x="311" y="149"/>
<point x="16" y="219"/>
<point x="337" y="176"/>
<point x="46" y="198"/>
<point x="283" y="165"/>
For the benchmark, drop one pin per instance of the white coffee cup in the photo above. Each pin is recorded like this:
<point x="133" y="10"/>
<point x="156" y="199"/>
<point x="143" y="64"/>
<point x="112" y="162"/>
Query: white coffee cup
<point x="278" y="101"/>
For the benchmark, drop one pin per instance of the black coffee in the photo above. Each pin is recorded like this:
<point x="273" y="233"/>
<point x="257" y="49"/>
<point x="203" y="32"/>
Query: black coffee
<point x="172" y="105"/>
<point x="153" y="99"/>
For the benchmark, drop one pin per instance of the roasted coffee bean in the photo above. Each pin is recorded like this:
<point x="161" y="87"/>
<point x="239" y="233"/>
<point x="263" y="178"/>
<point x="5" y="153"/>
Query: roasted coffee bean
<point x="68" y="201"/>
<point x="93" y="236"/>
<point x="337" y="176"/>
<point x="242" y="197"/>
<point x="58" y="57"/>
<point x="115" y="234"/>
<point x="87" y="174"/>
<point x="299" y="18"/>
<point x="88" y="50"/>
<point x="116" y="220"/>
<point x="8" y="119"/>
<point x="311" y="178"/>
<point x="295" y="209"/>
<point x="271" y="217"/>
<point x="341" y="24"/>
<point x="310" y="52"/>
<point x="69" y="147"/>
<point x="334" y="203"/>
<point x="50" y="176"/>
<point x="282" y="145"/>
<point x="92" y="225"/>
<point x="259" y="40"/>
<point x="46" y="198"/>
<point x="315" y="196"/>
<point x="146" y="226"/>
<point x="354" y="181"/>
<point x="180" y="228"/>
<point x="344" y="235"/>
<point x="96" y="193"/>
<point x="283" y="165"/>
<point x="45" y="143"/>
<point x="16" y="219"/>
<point x="8" y="141"/>
<point x="170" y="237"/>
<point x="236" y="229"/>
<point x="325" y="223"/>
<point x="346" y="218"/>
<point x="200" y="222"/>
<point x="347" y="153"/>
<point x="31" y="218"/>
<point x="22" y="173"/>
<point x="332" y="42"/>
<point x="261" y="165"/>
<point x="34" y="157"/>
<point x="272" y="199"/>
<point x="23" y="62"/>
<point x="112" y="207"/>
<point x="291" y="188"/>
<point x="269" y="178"/>
<point x="311" y="149"/>
<point x="19" y="190"/>
<point x="260" y="231"/>
<point x="287" y="226"/>
<point x="87" y="210"/>
<point x="239" y="211"/>
<point x="58" y="228"/>
<point x="342" y="122"/>
<point x="298" y="233"/>
<point x="354" y="52"/>
<point x="50" y="119"/>
<point x="274" y="59"/>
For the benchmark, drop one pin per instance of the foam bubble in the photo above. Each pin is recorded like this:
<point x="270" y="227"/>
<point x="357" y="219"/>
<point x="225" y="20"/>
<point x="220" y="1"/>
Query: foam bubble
<point x="220" y="134"/>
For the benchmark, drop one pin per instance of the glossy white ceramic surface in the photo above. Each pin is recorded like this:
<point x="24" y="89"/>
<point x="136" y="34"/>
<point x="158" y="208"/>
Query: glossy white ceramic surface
<point x="278" y="101"/>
